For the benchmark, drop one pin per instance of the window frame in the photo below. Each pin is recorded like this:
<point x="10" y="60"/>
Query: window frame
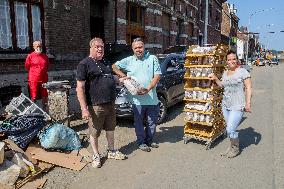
<point x="15" y="48"/>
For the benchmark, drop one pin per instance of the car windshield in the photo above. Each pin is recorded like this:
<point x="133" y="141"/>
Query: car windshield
<point x="175" y="49"/>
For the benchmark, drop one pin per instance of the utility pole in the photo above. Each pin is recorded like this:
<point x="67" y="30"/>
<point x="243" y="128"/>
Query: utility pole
<point x="249" y="22"/>
<point x="206" y="22"/>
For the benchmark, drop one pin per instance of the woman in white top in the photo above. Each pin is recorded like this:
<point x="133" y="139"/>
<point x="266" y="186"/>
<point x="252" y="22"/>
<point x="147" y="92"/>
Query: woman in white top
<point x="236" y="82"/>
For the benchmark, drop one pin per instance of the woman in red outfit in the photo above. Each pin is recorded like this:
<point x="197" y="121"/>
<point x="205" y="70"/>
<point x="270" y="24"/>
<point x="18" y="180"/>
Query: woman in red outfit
<point x="37" y="65"/>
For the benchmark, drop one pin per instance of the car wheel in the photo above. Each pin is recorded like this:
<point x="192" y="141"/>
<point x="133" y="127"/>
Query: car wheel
<point x="163" y="109"/>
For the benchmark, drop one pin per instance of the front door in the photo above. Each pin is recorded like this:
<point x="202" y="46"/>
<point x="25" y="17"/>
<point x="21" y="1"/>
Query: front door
<point x="97" y="19"/>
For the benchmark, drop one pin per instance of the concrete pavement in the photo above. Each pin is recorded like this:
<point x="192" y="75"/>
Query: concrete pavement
<point x="179" y="165"/>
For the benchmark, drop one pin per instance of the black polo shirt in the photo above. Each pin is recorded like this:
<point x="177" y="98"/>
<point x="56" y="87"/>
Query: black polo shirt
<point x="100" y="84"/>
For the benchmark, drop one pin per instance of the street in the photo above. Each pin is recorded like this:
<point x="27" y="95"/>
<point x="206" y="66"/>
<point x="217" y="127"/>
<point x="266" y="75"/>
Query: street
<point x="178" y="165"/>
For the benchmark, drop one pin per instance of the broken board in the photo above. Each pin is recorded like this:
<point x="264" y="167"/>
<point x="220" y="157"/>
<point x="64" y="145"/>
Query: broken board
<point x="66" y="160"/>
<point x="35" y="184"/>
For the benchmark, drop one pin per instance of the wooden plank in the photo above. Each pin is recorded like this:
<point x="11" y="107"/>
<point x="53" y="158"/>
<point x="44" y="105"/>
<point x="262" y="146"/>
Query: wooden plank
<point x="45" y="166"/>
<point x="35" y="184"/>
<point x="30" y="177"/>
<point x="70" y="160"/>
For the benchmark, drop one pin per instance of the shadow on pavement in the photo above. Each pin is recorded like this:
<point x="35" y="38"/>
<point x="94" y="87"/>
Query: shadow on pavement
<point x="174" y="111"/>
<point x="125" y="122"/>
<point x="248" y="136"/>
<point x="129" y="148"/>
<point x="171" y="134"/>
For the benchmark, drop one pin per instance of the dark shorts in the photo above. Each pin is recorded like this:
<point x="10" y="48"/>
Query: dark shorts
<point x="103" y="117"/>
<point x="36" y="90"/>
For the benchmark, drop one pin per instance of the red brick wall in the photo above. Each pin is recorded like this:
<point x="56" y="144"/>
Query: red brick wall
<point x="67" y="28"/>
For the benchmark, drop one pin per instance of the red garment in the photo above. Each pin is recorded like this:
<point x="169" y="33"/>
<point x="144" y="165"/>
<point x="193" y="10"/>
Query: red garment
<point x="36" y="90"/>
<point x="37" y="65"/>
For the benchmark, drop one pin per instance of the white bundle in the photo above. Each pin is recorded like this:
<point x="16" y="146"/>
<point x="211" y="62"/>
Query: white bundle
<point x="132" y="86"/>
<point x="205" y="50"/>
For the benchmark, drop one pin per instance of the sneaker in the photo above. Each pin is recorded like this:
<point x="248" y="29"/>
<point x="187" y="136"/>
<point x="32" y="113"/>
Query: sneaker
<point x="96" y="163"/>
<point x="144" y="147"/>
<point x="117" y="155"/>
<point x="153" y="145"/>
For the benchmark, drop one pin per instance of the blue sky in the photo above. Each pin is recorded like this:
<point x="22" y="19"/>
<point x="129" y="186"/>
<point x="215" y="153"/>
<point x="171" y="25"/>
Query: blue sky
<point x="269" y="20"/>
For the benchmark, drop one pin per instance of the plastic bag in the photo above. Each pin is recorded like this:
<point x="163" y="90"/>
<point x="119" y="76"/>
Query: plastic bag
<point x="59" y="137"/>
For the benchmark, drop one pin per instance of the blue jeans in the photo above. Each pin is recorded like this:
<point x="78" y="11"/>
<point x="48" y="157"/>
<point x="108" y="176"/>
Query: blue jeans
<point x="233" y="119"/>
<point x="148" y="114"/>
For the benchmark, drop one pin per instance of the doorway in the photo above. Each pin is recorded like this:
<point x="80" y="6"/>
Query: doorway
<point x="97" y="19"/>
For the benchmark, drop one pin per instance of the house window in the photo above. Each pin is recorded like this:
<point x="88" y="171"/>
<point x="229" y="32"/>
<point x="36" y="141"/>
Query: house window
<point x="135" y="14"/>
<point x="202" y="11"/>
<point x="166" y="30"/>
<point x="20" y="24"/>
<point x="210" y="15"/>
<point x="5" y="25"/>
<point x="135" y="22"/>
<point x="190" y="29"/>
<point x="217" y="20"/>
<point x="36" y="23"/>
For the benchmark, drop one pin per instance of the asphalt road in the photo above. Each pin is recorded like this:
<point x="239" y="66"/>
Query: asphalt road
<point x="177" y="165"/>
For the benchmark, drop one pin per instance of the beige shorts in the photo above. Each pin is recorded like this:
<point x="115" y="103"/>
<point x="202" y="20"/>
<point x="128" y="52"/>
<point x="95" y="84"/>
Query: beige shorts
<point x="103" y="117"/>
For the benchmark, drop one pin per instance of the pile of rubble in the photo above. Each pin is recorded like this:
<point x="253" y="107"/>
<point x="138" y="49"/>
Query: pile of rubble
<point x="32" y="143"/>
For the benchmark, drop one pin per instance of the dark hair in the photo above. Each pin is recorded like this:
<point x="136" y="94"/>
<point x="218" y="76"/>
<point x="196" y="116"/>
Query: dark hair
<point x="232" y="52"/>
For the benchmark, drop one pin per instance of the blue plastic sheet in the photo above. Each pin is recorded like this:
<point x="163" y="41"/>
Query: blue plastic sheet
<point x="59" y="137"/>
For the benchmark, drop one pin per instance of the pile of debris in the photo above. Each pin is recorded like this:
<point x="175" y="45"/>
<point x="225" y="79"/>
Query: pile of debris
<point x="32" y="143"/>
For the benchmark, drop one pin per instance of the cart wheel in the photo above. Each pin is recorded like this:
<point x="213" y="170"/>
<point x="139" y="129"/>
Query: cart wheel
<point x="208" y="146"/>
<point x="224" y="135"/>
<point x="186" y="140"/>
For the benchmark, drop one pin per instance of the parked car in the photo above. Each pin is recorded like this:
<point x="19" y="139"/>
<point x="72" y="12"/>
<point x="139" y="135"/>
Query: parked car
<point x="179" y="49"/>
<point x="170" y="88"/>
<point x="261" y="62"/>
<point x="273" y="61"/>
<point x="247" y="66"/>
<point x="115" y="52"/>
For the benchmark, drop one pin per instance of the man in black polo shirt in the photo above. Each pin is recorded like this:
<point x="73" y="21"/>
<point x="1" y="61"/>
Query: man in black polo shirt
<point x="96" y="94"/>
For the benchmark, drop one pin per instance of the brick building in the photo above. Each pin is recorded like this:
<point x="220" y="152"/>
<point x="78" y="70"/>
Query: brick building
<point x="229" y="27"/>
<point x="66" y="26"/>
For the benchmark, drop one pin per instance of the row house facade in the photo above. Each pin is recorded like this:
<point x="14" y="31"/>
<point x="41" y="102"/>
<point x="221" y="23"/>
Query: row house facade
<point x="251" y="42"/>
<point x="229" y="26"/>
<point x="66" y="26"/>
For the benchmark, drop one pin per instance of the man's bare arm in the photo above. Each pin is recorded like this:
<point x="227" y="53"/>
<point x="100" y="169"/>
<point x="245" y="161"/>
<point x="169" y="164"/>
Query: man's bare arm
<point x="82" y="99"/>
<point x="117" y="71"/>
<point x="154" y="82"/>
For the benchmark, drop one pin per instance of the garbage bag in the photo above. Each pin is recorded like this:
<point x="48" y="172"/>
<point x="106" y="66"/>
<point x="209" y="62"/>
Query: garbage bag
<point x="59" y="137"/>
<point x="23" y="128"/>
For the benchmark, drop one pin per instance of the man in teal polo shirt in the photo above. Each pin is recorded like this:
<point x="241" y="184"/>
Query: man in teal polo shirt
<point x="145" y="69"/>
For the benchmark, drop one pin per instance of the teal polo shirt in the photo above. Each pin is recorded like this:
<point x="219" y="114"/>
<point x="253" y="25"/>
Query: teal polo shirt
<point x="143" y="72"/>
